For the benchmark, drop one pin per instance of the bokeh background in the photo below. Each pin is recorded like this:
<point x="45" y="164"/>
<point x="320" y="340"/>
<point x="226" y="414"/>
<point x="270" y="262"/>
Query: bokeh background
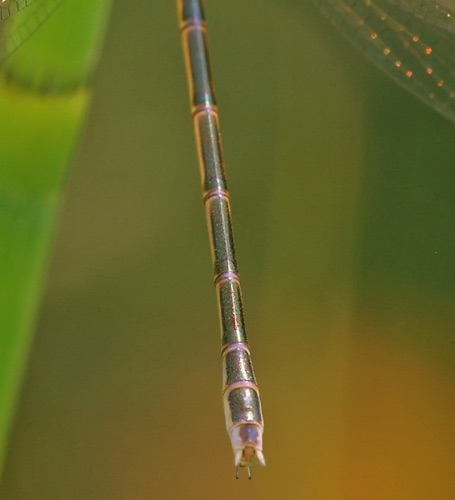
<point x="343" y="201"/>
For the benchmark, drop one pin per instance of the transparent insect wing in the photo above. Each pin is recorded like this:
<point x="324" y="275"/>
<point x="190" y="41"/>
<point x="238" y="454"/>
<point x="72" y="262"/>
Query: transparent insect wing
<point x="9" y="7"/>
<point x="14" y="32"/>
<point x="439" y="13"/>
<point x="411" y="41"/>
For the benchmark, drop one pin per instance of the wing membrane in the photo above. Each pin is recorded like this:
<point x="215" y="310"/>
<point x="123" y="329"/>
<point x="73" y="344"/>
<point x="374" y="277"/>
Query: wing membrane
<point x="411" y="40"/>
<point x="15" y="31"/>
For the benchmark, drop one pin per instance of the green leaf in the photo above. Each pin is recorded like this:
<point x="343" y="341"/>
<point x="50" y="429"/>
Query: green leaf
<point x="43" y="103"/>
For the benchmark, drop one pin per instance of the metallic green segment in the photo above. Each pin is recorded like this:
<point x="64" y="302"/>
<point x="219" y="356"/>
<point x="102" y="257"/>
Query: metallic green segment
<point x="242" y="404"/>
<point x="238" y="367"/>
<point x="231" y="312"/>
<point x="209" y="146"/>
<point x="219" y="220"/>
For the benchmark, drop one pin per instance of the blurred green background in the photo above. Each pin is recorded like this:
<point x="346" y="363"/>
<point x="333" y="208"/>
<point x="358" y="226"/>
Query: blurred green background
<point x="342" y="189"/>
